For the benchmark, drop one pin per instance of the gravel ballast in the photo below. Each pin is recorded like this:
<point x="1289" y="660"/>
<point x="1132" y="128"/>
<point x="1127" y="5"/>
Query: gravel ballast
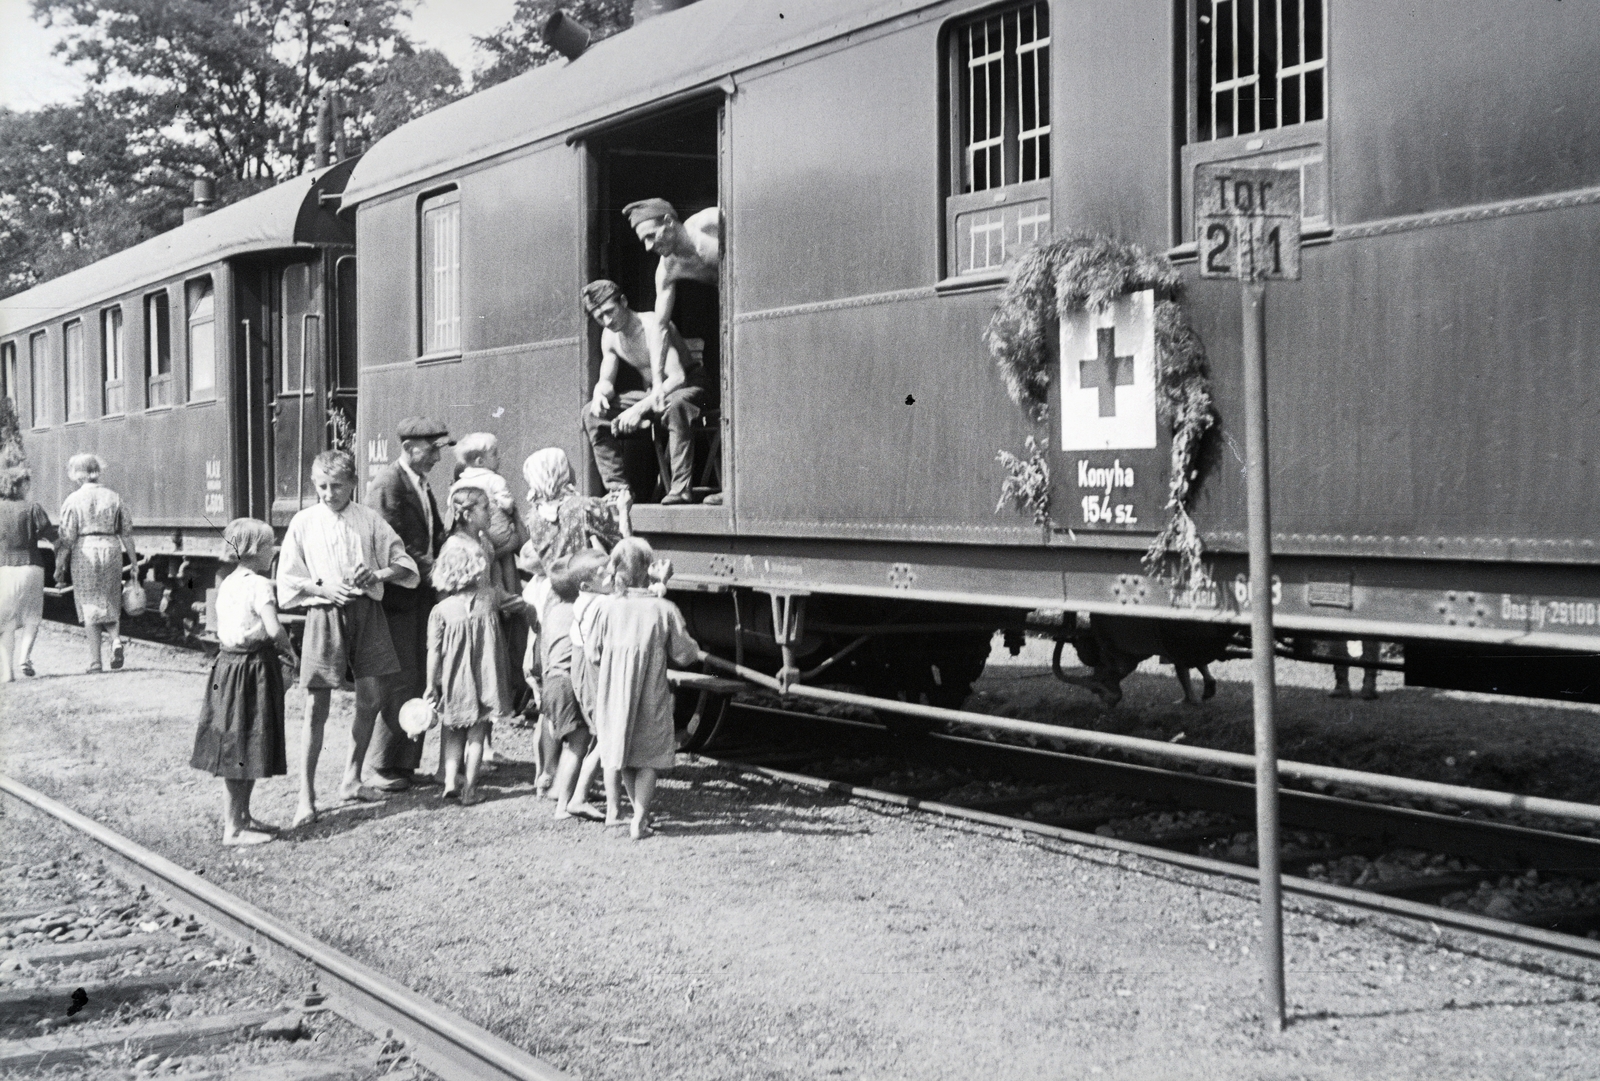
<point x="768" y="932"/>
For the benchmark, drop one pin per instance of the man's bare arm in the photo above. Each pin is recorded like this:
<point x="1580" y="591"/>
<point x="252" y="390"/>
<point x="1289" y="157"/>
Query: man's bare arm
<point x="606" y="385"/>
<point x="666" y="301"/>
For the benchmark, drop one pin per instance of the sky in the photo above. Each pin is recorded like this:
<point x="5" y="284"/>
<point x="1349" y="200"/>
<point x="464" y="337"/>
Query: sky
<point x="30" y="76"/>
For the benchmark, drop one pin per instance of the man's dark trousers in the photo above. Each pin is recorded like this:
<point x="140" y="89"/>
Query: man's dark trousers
<point x="683" y="408"/>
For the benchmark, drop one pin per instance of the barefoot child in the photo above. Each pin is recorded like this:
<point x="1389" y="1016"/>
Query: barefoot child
<point x="470" y="516"/>
<point x="240" y="738"/>
<point x="336" y="557"/>
<point x="467" y="662"/>
<point x="560" y="712"/>
<point x="636" y="635"/>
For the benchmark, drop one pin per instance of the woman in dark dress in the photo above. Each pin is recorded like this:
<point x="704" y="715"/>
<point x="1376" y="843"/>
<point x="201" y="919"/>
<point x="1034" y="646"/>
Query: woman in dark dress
<point x="23" y="524"/>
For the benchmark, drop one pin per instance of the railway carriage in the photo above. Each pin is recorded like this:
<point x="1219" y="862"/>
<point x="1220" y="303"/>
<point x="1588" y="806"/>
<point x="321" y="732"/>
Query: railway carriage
<point x="879" y="167"/>
<point x="205" y="366"/>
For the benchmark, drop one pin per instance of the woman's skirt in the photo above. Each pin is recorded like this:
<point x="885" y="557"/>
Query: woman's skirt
<point x="97" y="579"/>
<point x="21" y="596"/>
<point x="241" y="723"/>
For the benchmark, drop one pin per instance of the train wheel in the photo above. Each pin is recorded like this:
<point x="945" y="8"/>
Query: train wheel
<point x="699" y="716"/>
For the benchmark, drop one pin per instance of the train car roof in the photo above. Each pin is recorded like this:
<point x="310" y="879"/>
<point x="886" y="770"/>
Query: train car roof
<point x="288" y="215"/>
<point x="670" y="54"/>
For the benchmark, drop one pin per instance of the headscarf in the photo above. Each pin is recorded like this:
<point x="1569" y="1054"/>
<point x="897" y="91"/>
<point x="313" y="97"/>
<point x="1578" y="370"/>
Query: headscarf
<point x="549" y="476"/>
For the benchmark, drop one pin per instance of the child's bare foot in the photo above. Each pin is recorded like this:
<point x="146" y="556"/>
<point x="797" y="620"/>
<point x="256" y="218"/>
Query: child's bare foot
<point x="360" y="793"/>
<point x="469" y="796"/>
<point x="262" y="827"/>
<point x="304" y="815"/>
<point x="639" y="829"/>
<point x="246" y="837"/>
<point x="582" y="809"/>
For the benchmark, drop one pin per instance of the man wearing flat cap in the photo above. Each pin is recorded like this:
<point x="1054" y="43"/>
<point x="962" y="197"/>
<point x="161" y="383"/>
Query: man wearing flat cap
<point x="400" y="493"/>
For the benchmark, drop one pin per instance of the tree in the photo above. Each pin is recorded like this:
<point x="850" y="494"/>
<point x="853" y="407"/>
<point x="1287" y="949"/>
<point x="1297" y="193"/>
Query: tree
<point x="411" y="84"/>
<point x="517" y="46"/>
<point x="236" y="80"/>
<point x="76" y="189"/>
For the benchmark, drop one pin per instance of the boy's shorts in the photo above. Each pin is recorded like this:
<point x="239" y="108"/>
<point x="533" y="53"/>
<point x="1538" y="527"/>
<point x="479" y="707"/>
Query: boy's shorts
<point x="354" y="638"/>
<point x="560" y="707"/>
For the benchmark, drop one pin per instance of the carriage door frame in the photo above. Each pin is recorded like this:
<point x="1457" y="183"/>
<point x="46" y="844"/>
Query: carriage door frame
<point x="255" y="325"/>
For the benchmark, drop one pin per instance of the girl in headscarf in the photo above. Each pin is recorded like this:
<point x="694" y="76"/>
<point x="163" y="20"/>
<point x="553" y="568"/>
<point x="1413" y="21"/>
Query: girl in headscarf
<point x="560" y="521"/>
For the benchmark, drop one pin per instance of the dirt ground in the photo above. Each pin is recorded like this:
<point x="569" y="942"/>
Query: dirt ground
<point x="771" y="933"/>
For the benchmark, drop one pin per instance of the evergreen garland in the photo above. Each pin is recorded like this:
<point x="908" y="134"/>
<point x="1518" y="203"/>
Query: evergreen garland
<point x="1085" y="272"/>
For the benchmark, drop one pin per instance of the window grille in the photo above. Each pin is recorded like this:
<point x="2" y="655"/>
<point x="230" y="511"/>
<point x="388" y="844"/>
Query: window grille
<point x="157" y="350"/>
<point x="1259" y="65"/>
<point x="38" y="364"/>
<point x="1000" y="128"/>
<point x="72" y="350"/>
<point x="112" y="401"/>
<point x="202" y="341"/>
<point x="440" y="271"/>
<point x="8" y="371"/>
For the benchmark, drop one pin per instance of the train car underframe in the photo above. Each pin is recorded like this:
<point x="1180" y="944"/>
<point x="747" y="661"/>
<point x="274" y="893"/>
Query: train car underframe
<point x="915" y="621"/>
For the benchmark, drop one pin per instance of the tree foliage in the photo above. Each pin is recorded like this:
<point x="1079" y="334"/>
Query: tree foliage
<point x="517" y="47"/>
<point x="183" y="88"/>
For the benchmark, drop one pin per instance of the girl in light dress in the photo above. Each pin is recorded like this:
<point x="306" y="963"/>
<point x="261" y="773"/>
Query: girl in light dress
<point x="635" y="635"/>
<point x="240" y="737"/>
<point x="468" y="666"/>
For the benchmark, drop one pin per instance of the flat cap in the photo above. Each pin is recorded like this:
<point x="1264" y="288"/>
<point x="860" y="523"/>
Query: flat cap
<point x="648" y="210"/>
<point x="425" y="428"/>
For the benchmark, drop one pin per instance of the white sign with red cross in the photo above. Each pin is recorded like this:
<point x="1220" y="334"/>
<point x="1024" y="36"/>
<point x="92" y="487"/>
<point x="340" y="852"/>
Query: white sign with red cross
<point x="1108" y="376"/>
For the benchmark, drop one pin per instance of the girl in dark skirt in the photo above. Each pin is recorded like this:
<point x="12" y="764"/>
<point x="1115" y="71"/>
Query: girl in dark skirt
<point x="241" y="723"/>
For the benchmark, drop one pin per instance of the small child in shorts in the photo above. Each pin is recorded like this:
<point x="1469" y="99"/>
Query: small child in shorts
<point x="240" y="738"/>
<point x="561" y="715"/>
<point x="480" y="460"/>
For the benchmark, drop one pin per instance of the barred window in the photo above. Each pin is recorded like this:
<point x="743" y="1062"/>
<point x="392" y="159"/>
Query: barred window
<point x="440" y="273"/>
<point x="1259" y="65"/>
<point x="72" y="351"/>
<point x="111" y="402"/>
<point x="999" y="74"/>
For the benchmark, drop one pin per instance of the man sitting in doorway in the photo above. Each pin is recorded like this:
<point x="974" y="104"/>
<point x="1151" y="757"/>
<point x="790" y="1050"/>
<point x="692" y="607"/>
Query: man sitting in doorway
<point x="629" y="393"/>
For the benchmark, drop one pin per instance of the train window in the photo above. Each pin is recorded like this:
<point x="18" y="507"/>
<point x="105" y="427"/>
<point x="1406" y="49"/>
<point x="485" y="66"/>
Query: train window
<point x="72" y="353"/>
<point x="112" y="401"/>
<point x="439" y="273"/>
<point x="8" y="371"/>
<point x="999" y="116"/>
<point x="157" y="350"/>
<point x="38" y="365"/>
<point x="1257" y="94"/>
<point x="296" y="302"/>
<point x="202" y="341"/>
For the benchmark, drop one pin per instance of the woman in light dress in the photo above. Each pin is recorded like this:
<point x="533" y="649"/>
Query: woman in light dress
<point x="23" y="524"/>
<point x="96" y="530"/>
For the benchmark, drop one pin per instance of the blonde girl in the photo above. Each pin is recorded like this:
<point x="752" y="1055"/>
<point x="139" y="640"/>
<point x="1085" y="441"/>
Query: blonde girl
<point x="468" y="666"/>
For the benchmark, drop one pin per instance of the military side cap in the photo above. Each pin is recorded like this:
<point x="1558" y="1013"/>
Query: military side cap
<point x="648" y="210"/>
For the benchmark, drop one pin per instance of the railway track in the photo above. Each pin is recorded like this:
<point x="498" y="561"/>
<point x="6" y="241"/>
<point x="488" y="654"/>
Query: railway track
<point x="1199" y="822"/>
<point x="411" y="1027"/>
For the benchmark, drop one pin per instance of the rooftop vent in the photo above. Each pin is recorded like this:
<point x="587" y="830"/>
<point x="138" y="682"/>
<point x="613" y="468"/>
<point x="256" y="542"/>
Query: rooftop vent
<point x="205" y="194"/>
<point x="566" y="35"/>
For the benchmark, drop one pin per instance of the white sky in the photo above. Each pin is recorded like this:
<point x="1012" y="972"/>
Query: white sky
<point x="30" y="76"/>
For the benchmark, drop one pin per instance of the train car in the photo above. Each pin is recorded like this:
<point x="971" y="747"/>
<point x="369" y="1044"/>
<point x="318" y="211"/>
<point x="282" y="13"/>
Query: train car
<point x="205" y="366"/>
<point x="880" y="167"/>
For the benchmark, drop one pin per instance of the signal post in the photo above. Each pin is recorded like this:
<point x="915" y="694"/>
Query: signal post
<point x="1247" y="223"/>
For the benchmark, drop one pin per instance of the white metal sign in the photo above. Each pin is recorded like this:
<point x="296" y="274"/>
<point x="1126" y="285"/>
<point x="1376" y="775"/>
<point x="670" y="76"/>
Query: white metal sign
<point x="1108" y="376"/>
<point x="1247" y="222"/>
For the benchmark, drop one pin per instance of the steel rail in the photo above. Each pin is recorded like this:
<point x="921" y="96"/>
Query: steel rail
<point x="449" y="1045"/>
<point x="1304" y="771"/>
<point x="1535" y="937"/>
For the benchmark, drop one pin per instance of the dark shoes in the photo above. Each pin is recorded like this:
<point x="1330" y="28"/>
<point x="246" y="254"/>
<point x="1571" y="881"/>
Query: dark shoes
<point x="389" y="783"/>
<point x="672" y="500"/>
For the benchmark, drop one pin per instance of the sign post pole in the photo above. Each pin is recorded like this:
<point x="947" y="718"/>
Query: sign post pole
<point x="1253" y="303"/>
<point x="1247" y="223"/>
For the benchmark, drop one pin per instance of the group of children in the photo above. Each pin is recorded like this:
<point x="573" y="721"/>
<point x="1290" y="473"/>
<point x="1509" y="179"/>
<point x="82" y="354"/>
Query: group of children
<point x="605" y="636"/>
